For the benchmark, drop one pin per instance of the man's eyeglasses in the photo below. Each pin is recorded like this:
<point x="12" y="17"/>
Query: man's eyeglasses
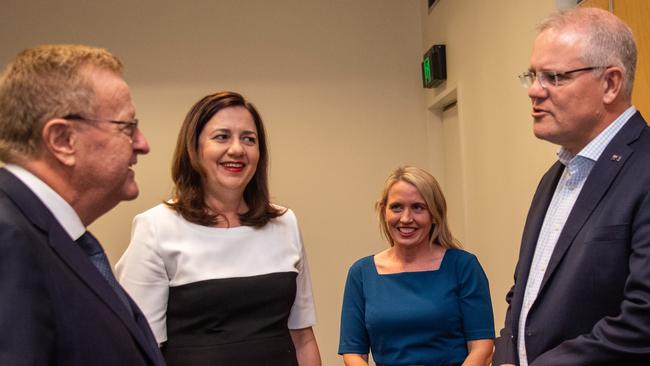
<point x="127" y="127"/>
<point x="551" y="78"/>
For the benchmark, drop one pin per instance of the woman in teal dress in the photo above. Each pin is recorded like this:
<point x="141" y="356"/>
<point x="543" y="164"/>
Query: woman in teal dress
<point x="423" y="301"/>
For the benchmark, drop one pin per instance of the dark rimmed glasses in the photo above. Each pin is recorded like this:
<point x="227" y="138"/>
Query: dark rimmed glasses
<point x="127" y="127"/>
<point x="548" y="78"/>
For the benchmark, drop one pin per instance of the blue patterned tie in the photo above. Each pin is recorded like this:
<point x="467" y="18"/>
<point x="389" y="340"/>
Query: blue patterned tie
<point x="96" y="254"/>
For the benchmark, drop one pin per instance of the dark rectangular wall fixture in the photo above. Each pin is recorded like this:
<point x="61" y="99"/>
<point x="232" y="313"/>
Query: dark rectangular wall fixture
<point x="434" y="66"/>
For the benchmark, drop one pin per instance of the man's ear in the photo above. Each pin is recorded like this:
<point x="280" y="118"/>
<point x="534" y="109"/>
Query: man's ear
<point x="59" y="139"/>
<point x="613" y="79"/>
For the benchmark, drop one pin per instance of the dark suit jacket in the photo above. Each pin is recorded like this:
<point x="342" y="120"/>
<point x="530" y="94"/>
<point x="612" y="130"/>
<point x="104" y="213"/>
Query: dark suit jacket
<point x="593" y="306"/>
<point x="55" y="307"/>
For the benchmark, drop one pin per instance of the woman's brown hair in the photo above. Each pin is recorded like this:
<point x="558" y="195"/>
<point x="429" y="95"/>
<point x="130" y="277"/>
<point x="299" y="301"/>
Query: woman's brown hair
<point x="187" y="174"/>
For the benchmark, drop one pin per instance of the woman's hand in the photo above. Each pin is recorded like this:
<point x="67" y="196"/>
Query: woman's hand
<point x="480" y="352"/>
<point x="352" y="359"/>
<point x="306" y="347"/>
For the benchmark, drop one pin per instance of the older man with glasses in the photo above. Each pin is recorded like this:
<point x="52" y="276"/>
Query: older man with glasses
<point x="69" y="136"/>
<point x="582" y="285"/>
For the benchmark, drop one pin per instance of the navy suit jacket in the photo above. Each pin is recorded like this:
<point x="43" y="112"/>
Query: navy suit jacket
<point x="55" y="307"/>
<point x="593" y="306"/>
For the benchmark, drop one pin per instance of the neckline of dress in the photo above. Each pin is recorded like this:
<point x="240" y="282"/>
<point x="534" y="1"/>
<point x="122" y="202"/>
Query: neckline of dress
<point x="442" y="264"/>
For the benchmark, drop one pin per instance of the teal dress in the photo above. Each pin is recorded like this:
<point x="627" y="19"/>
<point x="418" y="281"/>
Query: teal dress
<point x="423" y="318"/>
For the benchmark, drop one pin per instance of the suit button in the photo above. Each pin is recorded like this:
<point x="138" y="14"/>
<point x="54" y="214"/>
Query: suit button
<point x="529" y="332"/>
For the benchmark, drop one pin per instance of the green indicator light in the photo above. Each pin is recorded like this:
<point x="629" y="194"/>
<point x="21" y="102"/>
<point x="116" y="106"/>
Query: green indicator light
<point x="427" y="71"/>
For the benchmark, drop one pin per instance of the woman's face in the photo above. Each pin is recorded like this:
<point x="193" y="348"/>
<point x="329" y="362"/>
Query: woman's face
<point x="407" y="216"/>
<point x="229" y="151"/>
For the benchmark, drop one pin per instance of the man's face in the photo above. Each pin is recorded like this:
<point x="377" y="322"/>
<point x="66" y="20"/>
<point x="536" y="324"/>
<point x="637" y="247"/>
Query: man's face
<point x="570" y="113"/>
<point x="106" y="151"/>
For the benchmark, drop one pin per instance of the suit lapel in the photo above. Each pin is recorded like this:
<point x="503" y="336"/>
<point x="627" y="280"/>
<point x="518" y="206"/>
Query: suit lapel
<point x="75" y="259"/>
<point x="533" y="226"/>
<point x="598" y="182"/>
<point x="78" y="262"/>
<point x="536" y="217"/>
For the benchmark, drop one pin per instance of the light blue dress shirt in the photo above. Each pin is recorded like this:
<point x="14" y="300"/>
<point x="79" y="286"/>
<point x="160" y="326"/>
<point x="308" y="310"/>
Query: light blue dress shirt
<point x="576" y="171"/>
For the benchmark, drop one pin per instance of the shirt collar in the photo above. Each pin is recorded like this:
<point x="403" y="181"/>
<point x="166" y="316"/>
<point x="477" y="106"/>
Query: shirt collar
<point x="62" y="211"/>
<point x="595" y="147"/>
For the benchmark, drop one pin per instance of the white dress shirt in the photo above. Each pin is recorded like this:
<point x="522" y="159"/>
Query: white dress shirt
<point x="62" y="211"/>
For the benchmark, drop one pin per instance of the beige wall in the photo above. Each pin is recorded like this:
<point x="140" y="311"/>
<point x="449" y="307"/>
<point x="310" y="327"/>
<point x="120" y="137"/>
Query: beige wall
<point x="488" y="44"/>
<point x="338" y="84"/>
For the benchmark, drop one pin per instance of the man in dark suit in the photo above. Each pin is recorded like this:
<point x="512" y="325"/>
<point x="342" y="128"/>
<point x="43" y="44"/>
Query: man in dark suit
<point x="582" y="284"/>
<point x="69" y="136"/>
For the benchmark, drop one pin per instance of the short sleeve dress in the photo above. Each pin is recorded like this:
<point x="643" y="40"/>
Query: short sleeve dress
<point x="419" y="318"/>
<point x="219" y="296"/>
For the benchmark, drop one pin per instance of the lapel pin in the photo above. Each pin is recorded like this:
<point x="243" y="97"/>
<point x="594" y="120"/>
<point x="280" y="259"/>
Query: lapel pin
<point x="616" y="158"/>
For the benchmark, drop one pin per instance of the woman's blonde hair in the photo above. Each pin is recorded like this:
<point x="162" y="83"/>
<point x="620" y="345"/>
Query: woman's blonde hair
<point x="428" y="187"/>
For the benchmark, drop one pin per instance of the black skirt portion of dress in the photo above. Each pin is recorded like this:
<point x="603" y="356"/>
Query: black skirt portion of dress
<point x="231" y="322"/>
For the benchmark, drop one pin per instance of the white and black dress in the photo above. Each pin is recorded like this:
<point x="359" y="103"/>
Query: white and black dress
<point x="219" y="296"/>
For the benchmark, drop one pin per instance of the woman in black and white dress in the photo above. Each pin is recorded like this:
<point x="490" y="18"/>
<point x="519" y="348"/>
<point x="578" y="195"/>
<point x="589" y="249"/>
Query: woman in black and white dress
<point x="219" y="271"/>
